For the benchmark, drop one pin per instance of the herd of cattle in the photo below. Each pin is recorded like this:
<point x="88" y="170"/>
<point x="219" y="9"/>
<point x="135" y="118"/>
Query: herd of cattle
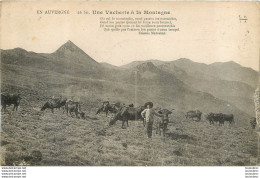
<point x="121" y="112"/>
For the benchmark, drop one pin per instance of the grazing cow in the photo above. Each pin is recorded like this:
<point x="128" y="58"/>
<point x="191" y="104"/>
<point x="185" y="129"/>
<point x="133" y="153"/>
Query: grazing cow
<point x="106" y="107"/>
<point x="229" y="118"/>
<point x="220" y="118"/>
<point x="194" y="114"/>
<point x="7" y="100"/>
<point x="72" y="106"/>
<point x="161" y="123"/>
<point x="215" y="117"/>
<point x="54" y="103"/>
<point x="127" y="113"/>
<point x="253" y="122"/>
<point x="210" y="119"/>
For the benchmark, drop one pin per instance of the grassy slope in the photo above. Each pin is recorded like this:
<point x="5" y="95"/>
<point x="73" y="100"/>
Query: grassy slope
<point x="64" y="140"/>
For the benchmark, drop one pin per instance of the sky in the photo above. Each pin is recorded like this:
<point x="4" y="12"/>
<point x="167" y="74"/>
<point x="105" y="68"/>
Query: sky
<point x="209" y="31"/>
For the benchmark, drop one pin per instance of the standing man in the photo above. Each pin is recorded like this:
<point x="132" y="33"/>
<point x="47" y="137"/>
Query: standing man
<point x="148" y="115"/>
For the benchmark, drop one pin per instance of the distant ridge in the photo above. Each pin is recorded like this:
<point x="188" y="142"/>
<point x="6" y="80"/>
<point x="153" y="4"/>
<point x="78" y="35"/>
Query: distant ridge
<point x="147" y="66"/>
<point x="110" y="66"/>
<point x="177" y="80"/>
<point x="136" y="63"/>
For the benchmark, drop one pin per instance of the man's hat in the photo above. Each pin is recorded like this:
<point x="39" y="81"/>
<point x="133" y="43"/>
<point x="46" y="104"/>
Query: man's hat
<point x="148" y="103"/>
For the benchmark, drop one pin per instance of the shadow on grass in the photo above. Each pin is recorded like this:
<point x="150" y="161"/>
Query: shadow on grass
<point x="176" y="136"/>
<point x="92" y="118"/>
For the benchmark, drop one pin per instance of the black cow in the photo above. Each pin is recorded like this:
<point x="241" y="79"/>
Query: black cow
<point x="7" y="100"/>
<point x="220" y="118"/>
<point x="161" y="123"/>
<point x="54" y="103"/>
<point x="210" y="119"/>
<point x="215" y="117"/>
<point x="229" y="118"/>
<point x="127" y="113"/>
<point x="194" y="114"/>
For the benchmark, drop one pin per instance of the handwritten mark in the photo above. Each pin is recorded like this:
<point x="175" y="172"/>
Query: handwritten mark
<point x="241" y="19"/>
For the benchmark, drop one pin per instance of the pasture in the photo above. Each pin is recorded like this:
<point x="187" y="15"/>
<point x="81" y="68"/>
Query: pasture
<point x="61" y="140"/>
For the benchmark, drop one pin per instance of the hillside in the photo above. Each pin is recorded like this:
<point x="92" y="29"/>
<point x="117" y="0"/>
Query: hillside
<point x="166" y="91"/>
<point x="179" y="80"/>
<point x="67" y="141"/>
<point x="210" y="79"/>
<point x="110" y="66"/>
<point x="71" y="73"/>
<point x="68" y="59"/>
<point x="229" y="71"/>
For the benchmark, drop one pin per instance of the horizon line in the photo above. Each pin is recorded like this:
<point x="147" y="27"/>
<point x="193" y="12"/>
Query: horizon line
<point x="69" y="41"/>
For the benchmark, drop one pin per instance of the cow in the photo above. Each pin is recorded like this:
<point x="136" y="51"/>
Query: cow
<point x="128" y="113"/>
<point x="253" y="123"/>
<point x="220" y="118"/>
<point x="229" y="118"/>
<point x="106" y="107"/>
<point x="215" y="117"/>
<point x="210" y="118"/>
<point x="7" y="100"/>
<point x="71" y="107"/>
<point x="161" y="123"/>
<point x="194" y="114"/>
<point x="54" y="103"/>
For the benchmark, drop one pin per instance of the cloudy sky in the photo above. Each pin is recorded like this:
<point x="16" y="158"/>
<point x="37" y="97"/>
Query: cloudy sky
<point x="209" y="32"/>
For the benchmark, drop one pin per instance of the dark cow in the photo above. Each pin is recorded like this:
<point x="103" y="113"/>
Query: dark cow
<point x="7" y="100"/>
<point x="229" y="118"/>
<point x="72" y="106"/>
<point x="253" y="123"/>
<point x="127" y="113"/>
<point x="194" y="114"/>
<point x="220" y="118"/>
<point x="106" y="107"/>
<point x="161" y="123"/>
<point x="210" y="119"/>
<point x="54" y="103"/>
<point x="215" y="117"/>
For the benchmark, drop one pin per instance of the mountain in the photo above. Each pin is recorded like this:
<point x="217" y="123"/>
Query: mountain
<point x="70" y="53"/>
<point x="68" y="59"/>
<point x="181" y="84"/>
<point x="148" y="74"/>
<point x="229" y="71"/>
<point x="232" y="71"/>
<point x="19" y="56"/>
<point x="153" y="83"/>
<point x="226" y="81"/>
